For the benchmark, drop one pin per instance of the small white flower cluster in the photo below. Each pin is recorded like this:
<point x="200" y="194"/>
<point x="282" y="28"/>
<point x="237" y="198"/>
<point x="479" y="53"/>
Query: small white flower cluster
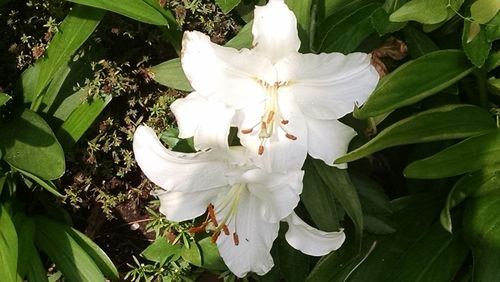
<point x="284" y="105"/>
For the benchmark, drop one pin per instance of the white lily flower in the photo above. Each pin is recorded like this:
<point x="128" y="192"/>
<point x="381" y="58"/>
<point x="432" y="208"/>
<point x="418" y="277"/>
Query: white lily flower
<point x="245" y="203"/>
<point x="286" y="104"/>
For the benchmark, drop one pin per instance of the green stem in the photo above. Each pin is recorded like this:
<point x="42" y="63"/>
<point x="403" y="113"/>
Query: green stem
<point x="482" y="87"/>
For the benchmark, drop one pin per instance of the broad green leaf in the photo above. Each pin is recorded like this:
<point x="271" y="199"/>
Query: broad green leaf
<point x="95" y="252"/>
<point x="227" y="5"/>
<point x="482" y="11"/>
<point x="302" y="11"/>
<point x="423" y="11"/>
<point x="46" y="184"/>
<point x="412" y="215"/>
<point x="481" y="226"/>
<point x="293" y="264"/>
<point x="192" y="254"/>
<point x="418" y="42"/>
<point x="28" y="142"/>
<point x="478" y="49"/>
<point x="471" y="154"/>
<point x="210" y="256"/>
<point x="81" y="119"/>
<point x="447" y="122"/>
<point x="416" y="80"/>
<point x="474" y="183"/>
<point x="332" y="6"/>
<point x="78" y="25"/>
<point x="493" y="29"/>
<point x="135" y="9"/>
<point x="437" y="256"/>
<point x="243" y="39"/>
<point x="171" y="74"/>
<point x="381" y="23"/>
<point x="318" y="199"/>
<point x="8" y="247"/>
<point x="4" y="98"/>
<point x="344" y="30"/>
<point x="494" y="85"/>
<point x="167" y="14"/>
<point x="493" y="61"/>
<point x="342" y="190"/>
<point x="161" y="250"/>
<point x="70" y="258"/>
<point x="29" y="264"/>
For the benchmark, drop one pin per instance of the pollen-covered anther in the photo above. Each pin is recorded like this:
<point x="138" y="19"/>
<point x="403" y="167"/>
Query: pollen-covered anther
<point x="290" y="136"/>
<point x="270" y="117"/>
<point x="247" y="131"/>
<point x="211" y="214"/>
<point x="261" y="149"/>
<point x="225" y="229"/>
<point x="198" y="229"/>
<point x="236" y="239"/>
<point x="284" y="121"/>
<point x="215" y="236"/>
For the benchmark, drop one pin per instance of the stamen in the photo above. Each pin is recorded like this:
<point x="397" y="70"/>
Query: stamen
<point x="225" y="229"/>
<point x="284" y="121"/>
<point x="236" y="239"/>
<point x="247" y="131"/>
<point x="261" y="149"/>
<point x="211" y="214"/>
<point x="215" y="236"/>
<point x="270" y="117"/>
<point x="290" y="136"/>
<point x="198" y="229"/>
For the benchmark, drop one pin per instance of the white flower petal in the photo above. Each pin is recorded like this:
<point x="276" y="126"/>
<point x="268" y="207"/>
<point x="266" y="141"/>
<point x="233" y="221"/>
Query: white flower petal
<point x="328" y="139"/>
<point x="278" y="192"/>
<point x="208" y="122"/>
<point x="224" y="74"/>
<point x="274" y="30"/>
<point x="255" y="235"/>
<point x="309" y="240"/>
<point x="328" y="86"/>
<point x="180" y="206"/>
<point x="175" y="171"/>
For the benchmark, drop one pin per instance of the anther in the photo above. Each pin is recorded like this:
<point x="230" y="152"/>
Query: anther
<point x="225" y="229"/>
<point x="290" y="136"/>
<point x="211" y="214"/>
<point x="261" y="149"/>
<point x="236" y="239"/>
<point x="270" y="117"/>
<point x="284" y="121"/>
<point x="247" y="131"/>
<point x="215" y="236"/>
<point x="198" y="229"/>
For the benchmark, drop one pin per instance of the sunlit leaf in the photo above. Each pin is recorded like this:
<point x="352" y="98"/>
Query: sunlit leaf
<point x="171" y="74"/>
<point x="423" y="11"/>
<point x="482" y="11"/>
<point x="4" y="98"/>
<point x="478" y="48"/>
<point x="416" y="80"/>
<point x="8" y="247"/>
<point x="227" y="5"/>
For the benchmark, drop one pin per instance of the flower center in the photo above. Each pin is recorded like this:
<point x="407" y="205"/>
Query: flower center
<point x="229" y="207"/>
<point x="272" y="116"/>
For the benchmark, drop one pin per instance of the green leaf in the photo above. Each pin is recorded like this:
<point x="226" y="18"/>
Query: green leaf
<point x="46" y="184"/>
<point x="416" y="80"/>
<point x="380" y="256"/>
<point x="494" y="85"/>
<point x="447" y="122"/>
<point x="344" y="30"/>
<point x="293" y="264"/>
<point x="482" y="11"/>
<point x="171" y="74"/>
<point x="29" y="264"/>
<point x="192" y="254"/>
<point x="423" y="11"/>
<point x="481" y="226"/>
<point x="8" y="247"/>
<point x="95" y="252"/>
<point x="302" y="11"/>
<point x="418" y="42"/>
<point x="70" y="258"/>
<point x="243" y="39"/>
<point x="227" y="5"/>
<point x="437" y="256"/>
<point x="493" y="29"/>
<point x="471" y="154"/>
<point x="470" y="184"/>
<point x="478" y="49"/>
<point x="342" y="190"/>
<point x="161" y="250"/>
<point x="210" y="256"/>
<point x="382" y="24"/>
<point x="319" y="200"/>
<point x="134" y="9"/>
<point x="4" y="98"/>
<point x="493" y="61"/>
<point x="78" y="25"/>
<point x="81" y="119"/>
<point x="28" y="142"/>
